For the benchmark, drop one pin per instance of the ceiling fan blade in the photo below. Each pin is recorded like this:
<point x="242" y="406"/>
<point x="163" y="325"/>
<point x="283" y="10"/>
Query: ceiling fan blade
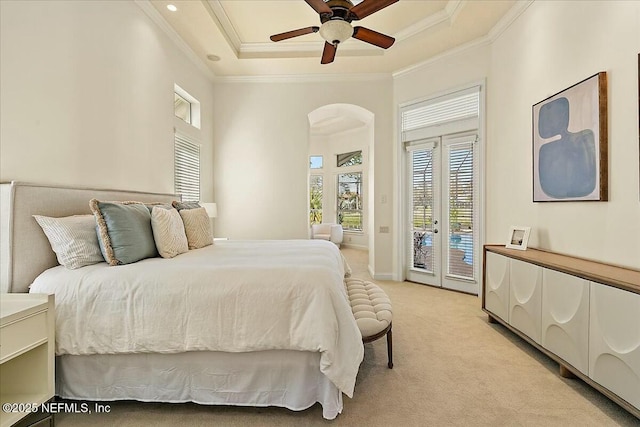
<point x="329" y="53"/>
<point x="373" y="37"/>
<point x="294" y="33"/>
<point x="367" y="7"/>
<point x="319" y="6"/>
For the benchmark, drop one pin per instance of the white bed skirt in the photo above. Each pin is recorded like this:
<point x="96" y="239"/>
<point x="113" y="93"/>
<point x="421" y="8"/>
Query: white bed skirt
<point x="285" y="378"/>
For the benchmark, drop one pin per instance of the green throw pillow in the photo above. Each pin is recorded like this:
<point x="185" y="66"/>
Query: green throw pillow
<point x="124" y="231"/>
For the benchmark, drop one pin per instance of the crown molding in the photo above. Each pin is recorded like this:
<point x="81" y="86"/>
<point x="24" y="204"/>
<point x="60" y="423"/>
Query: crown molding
<point x="155" y="16"/>
<point x="305" y="49"/>
<point x="447" y="15"/>
<point x="508" y="19"/>
<point x="221" y="19"/>
<point x="311" y="49"/>
<point x="245" y="50"/>
<point x="449" y="53"/>
<point x="304" y="78"/>
<point x="495" y="32"/>
<point x="453" y="8"/>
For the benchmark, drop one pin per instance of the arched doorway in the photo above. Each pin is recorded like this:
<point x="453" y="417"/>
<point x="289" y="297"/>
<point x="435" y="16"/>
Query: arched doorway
<point x="341" y="184"/>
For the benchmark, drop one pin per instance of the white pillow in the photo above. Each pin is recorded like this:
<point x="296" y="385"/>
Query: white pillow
<point x="197" y="227"/>
<point x="168" y="232"/>
<point x="73" y="239"/>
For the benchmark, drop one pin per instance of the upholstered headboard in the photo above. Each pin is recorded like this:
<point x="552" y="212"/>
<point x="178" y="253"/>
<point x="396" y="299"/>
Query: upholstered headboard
<point x="24" y="249"/>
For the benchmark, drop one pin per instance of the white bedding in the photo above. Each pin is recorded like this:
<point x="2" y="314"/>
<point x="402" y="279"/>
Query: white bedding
<point x="234" y="296"/>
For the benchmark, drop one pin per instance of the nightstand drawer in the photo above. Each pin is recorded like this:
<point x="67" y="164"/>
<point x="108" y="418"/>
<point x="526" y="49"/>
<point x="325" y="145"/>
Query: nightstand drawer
<point x="23" y="335"/>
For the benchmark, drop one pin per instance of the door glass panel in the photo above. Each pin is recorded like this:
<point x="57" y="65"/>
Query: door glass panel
<point x="422" y="209"/>
<point x="461" y="201"/>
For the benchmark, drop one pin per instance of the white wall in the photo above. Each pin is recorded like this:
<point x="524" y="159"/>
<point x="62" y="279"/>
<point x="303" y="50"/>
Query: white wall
<point x="552" y="46"/>
<point x="87" y="97"/>
<point x="261" y="156"/>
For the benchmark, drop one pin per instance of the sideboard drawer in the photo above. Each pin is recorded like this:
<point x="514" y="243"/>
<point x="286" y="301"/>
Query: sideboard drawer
<point x="22" y="335"/>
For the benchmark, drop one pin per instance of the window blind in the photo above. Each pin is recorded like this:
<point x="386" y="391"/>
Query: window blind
<point x="422" y="194"/>
<point x="462" y="182"/>
<point x="443" y="115"/>
<point x="187" y="168"/>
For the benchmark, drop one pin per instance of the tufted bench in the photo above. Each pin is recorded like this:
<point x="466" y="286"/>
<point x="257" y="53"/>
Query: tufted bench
<point x="372" y="309"/>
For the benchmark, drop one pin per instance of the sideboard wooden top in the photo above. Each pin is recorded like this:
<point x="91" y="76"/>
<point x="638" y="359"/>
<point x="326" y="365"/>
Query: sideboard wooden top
<point x="620" y="277"/>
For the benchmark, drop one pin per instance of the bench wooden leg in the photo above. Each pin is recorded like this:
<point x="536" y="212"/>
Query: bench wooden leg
<point x="390" y="349"/>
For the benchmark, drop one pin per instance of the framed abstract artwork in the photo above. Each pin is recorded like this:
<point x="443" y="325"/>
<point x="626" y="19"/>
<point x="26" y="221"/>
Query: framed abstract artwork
<point x="570" y="143"/>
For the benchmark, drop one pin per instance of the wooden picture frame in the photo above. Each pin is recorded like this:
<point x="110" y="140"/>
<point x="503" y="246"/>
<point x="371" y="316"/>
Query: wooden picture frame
<point x="570" y="138"/>
<point x="518" y="237"/>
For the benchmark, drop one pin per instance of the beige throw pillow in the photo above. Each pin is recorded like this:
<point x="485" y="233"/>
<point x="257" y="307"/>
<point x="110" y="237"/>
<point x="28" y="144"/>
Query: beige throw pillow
<point x="197" y="227"/>
<point x="168" y="232"/>
<point x="73" y="239"/>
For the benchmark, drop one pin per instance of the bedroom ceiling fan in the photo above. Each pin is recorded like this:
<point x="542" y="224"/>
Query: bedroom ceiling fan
<point x="336" y="17"/>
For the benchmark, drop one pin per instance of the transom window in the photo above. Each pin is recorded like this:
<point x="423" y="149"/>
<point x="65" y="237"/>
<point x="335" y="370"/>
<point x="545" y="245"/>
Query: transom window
<point x="182" y="108"/>
<point x="315" y="162"/>
<point x="186" y="107"/>
<point x="349" y="159"/>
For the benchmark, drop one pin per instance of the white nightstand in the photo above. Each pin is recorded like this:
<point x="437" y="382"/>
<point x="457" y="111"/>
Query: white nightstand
<point x="27" y="351"/>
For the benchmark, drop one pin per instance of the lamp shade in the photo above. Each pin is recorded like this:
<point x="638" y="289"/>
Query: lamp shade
<point x="211" y="208"/>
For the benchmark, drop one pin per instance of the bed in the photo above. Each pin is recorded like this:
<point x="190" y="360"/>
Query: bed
<point x="263" y="323"/>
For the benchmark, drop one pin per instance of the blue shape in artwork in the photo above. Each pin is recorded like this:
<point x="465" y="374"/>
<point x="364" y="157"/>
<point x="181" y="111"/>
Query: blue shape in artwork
<point x="567" y="166"/>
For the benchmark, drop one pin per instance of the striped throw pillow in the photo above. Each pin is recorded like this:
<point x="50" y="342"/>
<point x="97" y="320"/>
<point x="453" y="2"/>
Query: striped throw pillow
<point x="73" y="239"/>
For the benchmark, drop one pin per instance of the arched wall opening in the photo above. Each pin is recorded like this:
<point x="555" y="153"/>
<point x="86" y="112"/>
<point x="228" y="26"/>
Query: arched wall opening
<point x="333" y="130"/>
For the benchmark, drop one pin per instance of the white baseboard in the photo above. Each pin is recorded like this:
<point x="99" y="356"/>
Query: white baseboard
<point x="383" y="276"/>
<point x="351" y="246"/>
<point x="379" y="276"/>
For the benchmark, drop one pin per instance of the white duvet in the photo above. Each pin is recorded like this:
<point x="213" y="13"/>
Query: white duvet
<point x="234" y="296"/>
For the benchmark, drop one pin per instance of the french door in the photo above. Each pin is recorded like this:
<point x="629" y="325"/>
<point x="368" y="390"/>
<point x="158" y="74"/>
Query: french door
<point x="442" y="221"/>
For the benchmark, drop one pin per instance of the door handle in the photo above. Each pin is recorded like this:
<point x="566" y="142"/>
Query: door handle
<point x="435" y="231"/>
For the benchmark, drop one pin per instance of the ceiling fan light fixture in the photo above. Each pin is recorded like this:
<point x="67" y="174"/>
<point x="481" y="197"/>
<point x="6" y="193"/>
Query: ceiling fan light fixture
<point x="336" y="31"/>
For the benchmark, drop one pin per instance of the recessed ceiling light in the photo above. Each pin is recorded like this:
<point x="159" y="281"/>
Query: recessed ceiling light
<point x="213" y="58"/>
<point x="172" y="7"/>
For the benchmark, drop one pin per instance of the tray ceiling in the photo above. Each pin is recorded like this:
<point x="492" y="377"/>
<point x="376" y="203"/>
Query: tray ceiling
<point x="237" y="32"/>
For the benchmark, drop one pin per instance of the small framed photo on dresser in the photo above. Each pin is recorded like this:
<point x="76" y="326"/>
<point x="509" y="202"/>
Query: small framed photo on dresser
<point x="518" y="237"/>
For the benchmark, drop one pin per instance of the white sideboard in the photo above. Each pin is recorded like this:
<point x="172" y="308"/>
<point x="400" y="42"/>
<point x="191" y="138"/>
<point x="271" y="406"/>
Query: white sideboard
<point x="27" y="346"/>
<point x="583" y="314"/>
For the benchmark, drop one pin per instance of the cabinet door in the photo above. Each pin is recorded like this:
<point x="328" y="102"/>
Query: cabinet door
<point x="614" y="341"/>
<point x="496" y="298"/>
<point x="525" y="290"/>
<point x="565" y="317"/>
